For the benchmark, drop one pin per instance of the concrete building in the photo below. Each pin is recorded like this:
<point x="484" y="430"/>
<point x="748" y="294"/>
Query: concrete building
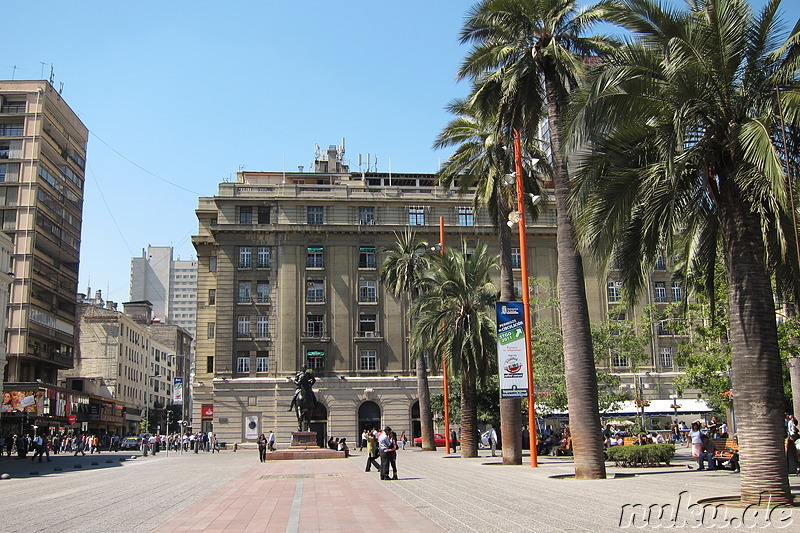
<point x="42" y="162"/>
<point x="171" y="286"/>
<point x="288" y="266"/>
<point x="136" y="366"/>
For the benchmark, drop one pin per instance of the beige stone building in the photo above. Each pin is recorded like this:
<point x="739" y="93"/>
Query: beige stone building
<point x="42" y="162"/>
<point x="288" y="266"/>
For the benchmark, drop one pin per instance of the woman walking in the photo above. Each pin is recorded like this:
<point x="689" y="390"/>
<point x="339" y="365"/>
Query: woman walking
<point x="262" y="448"/>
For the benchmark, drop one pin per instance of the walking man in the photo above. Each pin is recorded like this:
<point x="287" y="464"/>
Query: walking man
<point x="493" y="441"/>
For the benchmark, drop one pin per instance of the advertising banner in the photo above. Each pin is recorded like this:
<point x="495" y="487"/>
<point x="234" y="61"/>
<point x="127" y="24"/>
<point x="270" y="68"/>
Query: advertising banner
<point x="512" y="361"/>
<point x="17" y="401"/>
<point x="177" y="391"/>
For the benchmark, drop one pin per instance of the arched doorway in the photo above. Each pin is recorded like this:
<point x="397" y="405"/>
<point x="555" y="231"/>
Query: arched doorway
<point x="416" y="426"/>
<point x="369" y="416"/>
<point x="319" y="424"/>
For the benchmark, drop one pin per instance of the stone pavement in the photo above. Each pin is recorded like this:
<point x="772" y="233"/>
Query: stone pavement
<point x="436" y="492"/>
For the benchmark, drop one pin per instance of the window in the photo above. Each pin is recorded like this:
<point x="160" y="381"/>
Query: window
<point x="366" y="257"/>
<point x="211" y="327"/>
<point x="618" y="359"/>
<point x="245" y="215"/>
<point x="11" y="130"/>
<point x="315" y="326"/>
<point x="314" y="257"/>
<point x="263" y="215"/>
<point x="212" y="263"/>
<point x="664" y="328"/>
<point x="517" y="290"/>
<point x="614" y="289"/>
<point x="262" y="327"/>
<point x="243" y="364"/>
<point x="243" y="326"/>
<point x="369" y="360"/>
<point x="366" y="326"/>
<point x="263" y="257"/>
<point x="666" y="357"/>
<point x="516" y="260"/>
<point x="660" y="292"/>
<point x="416" y="216"/>
<point x="677" y="291"/>
<point x="245" y="257"/>
<point x="5" y="149"/>
<point x="315" y="291"/>
<point x="13" y="107"/>
<point x="314" y="214"/>
<point x="367" y="291"/>
<point x="262" y="362"/>
<point x="262" y="292"/>
<point x="661" y="264"/>
<point x="244" y="292"/>
<point x="366" y="216"/>
<point x="315" y="359"/>
<point x="212" y="296"/>
<point x="466" y="217"/>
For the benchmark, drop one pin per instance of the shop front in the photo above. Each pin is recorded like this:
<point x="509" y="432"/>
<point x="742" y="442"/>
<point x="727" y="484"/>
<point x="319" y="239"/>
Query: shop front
<point x="28" y="408"/>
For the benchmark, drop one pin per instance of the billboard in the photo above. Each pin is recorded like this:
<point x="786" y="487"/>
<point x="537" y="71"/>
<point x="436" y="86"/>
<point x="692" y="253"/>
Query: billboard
<point x="177" y="391"/>
<point x="21" y="401"/>
<point x="512" y="362"/>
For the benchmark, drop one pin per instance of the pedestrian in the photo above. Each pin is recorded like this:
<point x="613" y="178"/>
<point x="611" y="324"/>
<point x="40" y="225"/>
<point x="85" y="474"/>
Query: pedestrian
<point x="38" y="448"/>
<point x="403" y="440"/>
<point x="453" y="440"/>
<point x="363" y="442"/>
<point x="262" y="448"/>
<point x="385" y="446"/>
<point x="214" y="443"/>
<point x="271" y="441"/>
<point x="393" y="455"/>
<point x="79" y="445"/>
<point x="372" y="452"/>
<point x="344" y="448"/>
<point x="493" y="441"/>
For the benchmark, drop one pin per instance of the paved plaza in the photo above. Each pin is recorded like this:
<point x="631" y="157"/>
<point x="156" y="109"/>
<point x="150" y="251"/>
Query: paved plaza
<point x="232" y="491"/>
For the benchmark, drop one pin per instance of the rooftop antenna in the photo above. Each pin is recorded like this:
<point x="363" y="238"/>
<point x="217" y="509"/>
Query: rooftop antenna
<point x="60" y="87"/>
<point x="390" y="172"/>
<point x="284" y="170"/>
<point x="316" y="151"/>
<point x="43" y="63"/>
<point x="14" y="71"/>
<point x="52" y="75"/>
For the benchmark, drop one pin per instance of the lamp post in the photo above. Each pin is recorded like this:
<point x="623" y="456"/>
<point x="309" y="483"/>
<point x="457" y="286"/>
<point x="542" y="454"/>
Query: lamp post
<point x="444" y="364"/>
<point x="523" y="253"/>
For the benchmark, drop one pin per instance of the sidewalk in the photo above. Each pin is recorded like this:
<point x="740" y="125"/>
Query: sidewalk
<point x="302" y="495"/>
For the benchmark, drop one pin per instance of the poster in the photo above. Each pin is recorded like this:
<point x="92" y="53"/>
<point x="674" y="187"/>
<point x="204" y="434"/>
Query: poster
<point x="512" y="362"/>
<point x="177" y="391"/>
<point x="21" y="401"/>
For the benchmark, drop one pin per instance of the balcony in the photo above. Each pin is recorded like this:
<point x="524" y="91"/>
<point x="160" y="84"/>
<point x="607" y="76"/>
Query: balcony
<point x="316" y="335"/>
<point x="369" y="336"/>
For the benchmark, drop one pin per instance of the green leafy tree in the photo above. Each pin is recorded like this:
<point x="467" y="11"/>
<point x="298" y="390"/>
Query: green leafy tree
<point x="455" y="318"/>
<point x="684" y="124"/>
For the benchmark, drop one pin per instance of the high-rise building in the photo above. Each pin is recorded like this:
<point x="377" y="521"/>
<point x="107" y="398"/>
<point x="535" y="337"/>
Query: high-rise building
<point x="170" y="285"/>
<point x="288" y="276"/>
<point x="42" y="161"/>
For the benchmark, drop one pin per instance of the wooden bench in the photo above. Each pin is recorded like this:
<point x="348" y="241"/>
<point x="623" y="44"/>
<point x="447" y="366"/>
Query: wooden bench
<point x="629" y="441"/>
<point x="725" y="450"/>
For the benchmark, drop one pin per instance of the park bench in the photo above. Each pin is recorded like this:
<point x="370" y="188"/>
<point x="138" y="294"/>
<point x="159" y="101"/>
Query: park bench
<point x="726" y="448"/>
<point x="629" y="441"/>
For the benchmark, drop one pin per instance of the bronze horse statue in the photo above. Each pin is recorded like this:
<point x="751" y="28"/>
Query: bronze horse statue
<point x="304" y="401"/>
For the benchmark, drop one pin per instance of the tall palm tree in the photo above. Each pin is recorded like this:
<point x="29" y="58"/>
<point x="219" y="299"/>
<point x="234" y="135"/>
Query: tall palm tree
<point x="455" y="317"/>
<point x="536" y="50"/>
<point x="684" y="129"/>
<point x="406" y="260"/>
<point x="477" y="167"/>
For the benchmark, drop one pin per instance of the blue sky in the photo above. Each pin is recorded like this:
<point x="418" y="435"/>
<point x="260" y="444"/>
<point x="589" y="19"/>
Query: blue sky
<point x="180" y="95"/>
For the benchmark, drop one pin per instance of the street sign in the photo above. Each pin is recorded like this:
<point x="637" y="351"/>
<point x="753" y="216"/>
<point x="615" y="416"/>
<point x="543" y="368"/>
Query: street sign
<point x="72" y="419"/>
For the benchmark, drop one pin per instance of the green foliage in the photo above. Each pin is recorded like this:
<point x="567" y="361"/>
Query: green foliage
<point x="641" y="455"/>
<point x="143" y="426"/>
<point x="488" y="400"/>
<point x="547" y="345"/>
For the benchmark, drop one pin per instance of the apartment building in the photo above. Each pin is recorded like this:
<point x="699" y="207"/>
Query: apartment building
<point x="169" y="284"/>
<point x="42" y="162"/>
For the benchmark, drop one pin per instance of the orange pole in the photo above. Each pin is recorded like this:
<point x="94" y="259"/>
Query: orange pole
<point x="526" y="302"/>
<point x="444" y="363"/>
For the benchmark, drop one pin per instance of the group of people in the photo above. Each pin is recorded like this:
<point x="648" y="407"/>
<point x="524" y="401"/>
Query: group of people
<point x="43" y="444"/>
<point x="383" y="444"/>
<point x="555" y="443"/>
<point x="704" y="449"/>
<point x="197" y="442"/>
<point x="265" y="443"/>
<point x="339" y="445"/>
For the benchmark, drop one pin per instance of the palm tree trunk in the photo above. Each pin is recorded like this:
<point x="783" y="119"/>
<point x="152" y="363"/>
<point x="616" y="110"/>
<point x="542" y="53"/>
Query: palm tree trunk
<point x="425" y="413"/>
<point x="755" y="357"/>
<point x="469" y="414"/>
<point x="579" y="367"/>
<point x="510" y="408"/>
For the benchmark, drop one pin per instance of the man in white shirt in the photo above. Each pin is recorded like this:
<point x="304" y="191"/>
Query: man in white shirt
<point x="385" y="445"/>
<point x="493" y="441"/>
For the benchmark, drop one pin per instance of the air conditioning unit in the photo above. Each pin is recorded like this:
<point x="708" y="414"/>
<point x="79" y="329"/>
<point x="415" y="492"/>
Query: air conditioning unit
<point x="369" y="334"/>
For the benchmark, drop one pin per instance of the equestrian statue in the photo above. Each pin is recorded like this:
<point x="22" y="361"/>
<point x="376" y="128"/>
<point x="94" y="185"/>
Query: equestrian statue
<point x="304" y="401"/>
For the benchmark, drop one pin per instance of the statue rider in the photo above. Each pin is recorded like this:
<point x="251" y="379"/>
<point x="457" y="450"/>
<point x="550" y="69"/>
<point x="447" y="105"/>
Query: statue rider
<point x="306" y="377"/>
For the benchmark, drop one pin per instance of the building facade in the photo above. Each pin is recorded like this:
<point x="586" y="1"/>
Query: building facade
<point x="170" y="285"/>
<point x="42" y="162"/>
<point x="288" y="267"/>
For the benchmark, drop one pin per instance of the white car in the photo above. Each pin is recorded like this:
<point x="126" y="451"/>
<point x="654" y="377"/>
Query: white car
<point x="484" y="441"/>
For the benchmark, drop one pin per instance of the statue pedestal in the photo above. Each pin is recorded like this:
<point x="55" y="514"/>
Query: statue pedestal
<point x="304" y="446"/>
<point x="305" y="439"/>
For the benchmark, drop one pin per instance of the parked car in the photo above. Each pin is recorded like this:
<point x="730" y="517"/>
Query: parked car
<point x="484" y="441"/>
<point x="129" y="443"/>
<point x="438" y="440"/>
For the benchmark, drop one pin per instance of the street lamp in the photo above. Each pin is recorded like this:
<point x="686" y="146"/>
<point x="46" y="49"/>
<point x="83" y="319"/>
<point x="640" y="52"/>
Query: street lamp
<point x="446" y="390"/>
<point x="519" y="216"/>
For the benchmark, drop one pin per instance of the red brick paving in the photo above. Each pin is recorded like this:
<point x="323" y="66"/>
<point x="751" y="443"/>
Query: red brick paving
<point x="336" y="495"/>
